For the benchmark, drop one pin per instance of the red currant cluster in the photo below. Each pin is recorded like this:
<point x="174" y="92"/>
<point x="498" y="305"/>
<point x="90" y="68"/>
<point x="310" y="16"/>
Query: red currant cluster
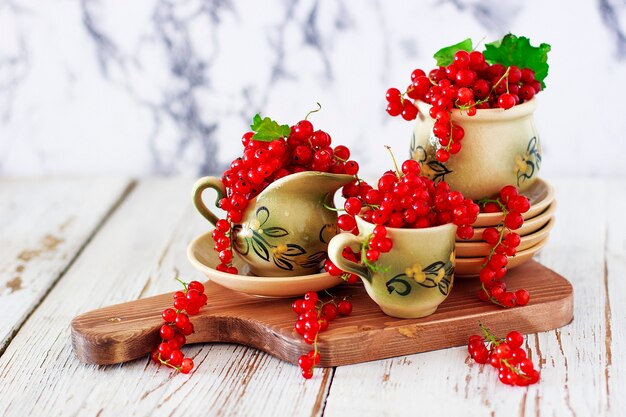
<point x="314" y="316"/>
<point x="504" y="243"/>
<point x="271" y="152"/>
<point x="177" y="326"/>
<point x="468" y="83"/>
<point x="404" y="199"/>
<point x="506" y="355"/>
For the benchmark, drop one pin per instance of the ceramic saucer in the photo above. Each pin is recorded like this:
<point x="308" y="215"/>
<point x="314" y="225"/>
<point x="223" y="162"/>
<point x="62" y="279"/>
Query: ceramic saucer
<point x="476" y="249"/>
<point x="470" y="267"/>
<point x="201" y="254"/>
<point x="541" y="195"/>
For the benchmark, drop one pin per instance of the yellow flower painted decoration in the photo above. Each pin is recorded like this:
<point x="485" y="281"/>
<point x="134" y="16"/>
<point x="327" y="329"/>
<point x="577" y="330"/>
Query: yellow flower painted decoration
<point x="279" y="250"/>
<point x="255" y="224"/>
<point x="452" y="256"/>
<point x="520" y="164"/>
<point x="440" y="274"/>
<point x="416" y="273"/>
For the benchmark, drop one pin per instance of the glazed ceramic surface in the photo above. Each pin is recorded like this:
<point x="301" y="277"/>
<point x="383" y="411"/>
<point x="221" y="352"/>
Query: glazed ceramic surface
<point x="285" y="230"/>
<point x="413" y="278"/>
<point x="500" y="147"/>
<point x="201" y="254"/>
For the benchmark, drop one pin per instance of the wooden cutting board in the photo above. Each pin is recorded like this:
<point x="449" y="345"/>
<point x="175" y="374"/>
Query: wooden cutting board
<point x="130" y="330"/>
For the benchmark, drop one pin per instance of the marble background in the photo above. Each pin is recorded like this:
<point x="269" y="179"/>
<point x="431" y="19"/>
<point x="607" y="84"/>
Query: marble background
<point x="168" y="87"/>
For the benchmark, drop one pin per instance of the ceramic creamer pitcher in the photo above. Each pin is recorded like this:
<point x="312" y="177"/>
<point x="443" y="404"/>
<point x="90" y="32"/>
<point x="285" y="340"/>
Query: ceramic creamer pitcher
<point x="285" y="229"/>
<point x="500" y="147"/>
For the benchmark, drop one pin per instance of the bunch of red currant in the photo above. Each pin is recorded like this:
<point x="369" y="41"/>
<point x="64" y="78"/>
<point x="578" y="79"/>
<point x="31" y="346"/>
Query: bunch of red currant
<point x="272" y="151"/>
<point x="403" y="199"/>
<point x="503" y="243"/>
<point x="506" y="355"/>
<point x="314" y="317"/>
<point x="177" y="326"/>
<point x="468" y="83"/>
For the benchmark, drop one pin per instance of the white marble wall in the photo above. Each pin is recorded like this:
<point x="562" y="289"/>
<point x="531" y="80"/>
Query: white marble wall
<point x="168" y="87"/>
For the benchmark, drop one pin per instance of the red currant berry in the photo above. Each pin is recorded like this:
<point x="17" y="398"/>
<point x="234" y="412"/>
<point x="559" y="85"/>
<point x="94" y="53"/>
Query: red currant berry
<point x="186" y="365"/>
<point x="344" y="307"/>
<point x="522" y="297"/>
<point x="169" y="315"/>
<point x="330" y="311"/>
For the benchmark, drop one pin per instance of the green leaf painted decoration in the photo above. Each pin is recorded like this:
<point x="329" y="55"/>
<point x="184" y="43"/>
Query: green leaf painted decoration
<point x="514" y="50"/>
<point x="267" y="130"/>
<point x="445" y="56"/>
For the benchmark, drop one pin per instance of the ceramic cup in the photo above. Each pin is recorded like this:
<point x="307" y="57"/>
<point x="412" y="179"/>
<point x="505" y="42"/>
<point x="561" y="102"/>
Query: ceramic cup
<point x="285" y="229"/>
<point x="413" y="278"/>
<point x="500" y="147"/>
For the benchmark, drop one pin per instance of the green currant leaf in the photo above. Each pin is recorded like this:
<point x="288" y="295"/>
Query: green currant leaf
<point x="267" y="130"/>
<point x="514" y="50"/>
<point x="445" y="56"/>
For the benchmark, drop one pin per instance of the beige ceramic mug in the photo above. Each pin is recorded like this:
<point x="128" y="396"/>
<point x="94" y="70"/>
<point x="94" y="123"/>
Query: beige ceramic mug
<point x="500" y="147"/>
<point x="413" y="278"/>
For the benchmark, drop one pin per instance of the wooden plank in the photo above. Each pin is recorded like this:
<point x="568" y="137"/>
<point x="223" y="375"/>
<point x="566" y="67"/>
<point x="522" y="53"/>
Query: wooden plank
<point x="138" y="253"/>
<point x="43" y="226"/>
<point x="614" y="307"/>
<point x="573" y="359"/>
<point x="130" y="330"/>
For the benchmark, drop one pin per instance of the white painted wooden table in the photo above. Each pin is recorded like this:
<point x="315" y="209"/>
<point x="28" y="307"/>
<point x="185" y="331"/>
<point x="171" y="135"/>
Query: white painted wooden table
<point x="72" y="245"/>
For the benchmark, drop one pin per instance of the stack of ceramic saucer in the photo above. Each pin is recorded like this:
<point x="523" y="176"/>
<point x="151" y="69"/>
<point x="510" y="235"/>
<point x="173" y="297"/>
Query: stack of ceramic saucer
<point x="538" y="221"/>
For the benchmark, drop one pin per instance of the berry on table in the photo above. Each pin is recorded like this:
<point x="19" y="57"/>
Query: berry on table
<point x="506" y="355"/>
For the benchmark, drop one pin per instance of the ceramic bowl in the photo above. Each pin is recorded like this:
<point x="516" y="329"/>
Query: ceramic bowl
<point x="540" y="194"/>
<point x="476" y="249"/>
<point x="529" y="226"/>
<point x="201" y="254"/>
<point x="470" y="267"/>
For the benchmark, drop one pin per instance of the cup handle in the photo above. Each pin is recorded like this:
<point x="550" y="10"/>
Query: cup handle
<point x="199" y="187"/>
<point x="335" y="248"/>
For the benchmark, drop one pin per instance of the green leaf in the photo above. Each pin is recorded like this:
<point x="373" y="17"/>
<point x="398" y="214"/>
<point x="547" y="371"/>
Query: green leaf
<point x="445" y="56"/>
<point x="267" y="130"/>
<point x="514" y="50"/>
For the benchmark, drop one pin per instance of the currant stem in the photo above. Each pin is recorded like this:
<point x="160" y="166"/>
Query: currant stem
<point x="319" y="107"/>
<point x="395" y="164"/>
<point x="166" y="363"/>
<point x="491" y="298"/>
<point x="182" y="282"/>
<point x="505" y="75"/>
<point x="514" y="369"/>
<point x="490" y="336"/>
<point x="327" y="207"/>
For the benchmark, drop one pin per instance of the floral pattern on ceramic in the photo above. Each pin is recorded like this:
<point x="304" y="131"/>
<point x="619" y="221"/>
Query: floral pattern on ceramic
<point x="414" y="277"/>
<point x="496" y="145"/>
<point x="436" y="275"/>
<point x="529" y="162"/>
<point x="432" y="168"/>
<point x="285" y="229"/>
<point x="271" y="244"/>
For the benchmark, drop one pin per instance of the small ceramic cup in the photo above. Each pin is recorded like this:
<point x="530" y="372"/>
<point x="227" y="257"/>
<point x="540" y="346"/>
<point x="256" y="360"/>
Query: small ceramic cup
<point x="500" y="147"/>
<point x="413" y="278"/>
